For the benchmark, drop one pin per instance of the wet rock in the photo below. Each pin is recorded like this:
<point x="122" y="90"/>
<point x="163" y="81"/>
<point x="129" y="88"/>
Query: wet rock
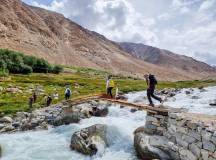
<point x="187" y="92"/>
<point x="140" y="130"/>
<point x="21" y="115"/>
<point x="8" y="128"/>
<point x="195" y="97"/>
<point x="133" y="110"/>
<point x="86" y="112"/>
<point x="16" y="124"/>
<point x="6" y="119"/>
<point x="122" y="106"/>
<point x="88" y="140"/>
<point x="56" y="121"/>
<point x="66" y="119"/>
<point x="72" y="118"/>
<point x="100" y="112"/>
<point x="143" y="146"/>
<point x="42" y="126"/>
<point x="26" y="126"/>
<point x="34" y="123"/>
<point x="213" y="103"/>
<point x="1" y="126"/>
<point x="169" y="92"/>
<point x="203" y="90"/>
<point x="201" y="87"/>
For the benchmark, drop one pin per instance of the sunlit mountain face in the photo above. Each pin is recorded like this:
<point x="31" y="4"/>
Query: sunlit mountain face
<point x="183" y="27"/>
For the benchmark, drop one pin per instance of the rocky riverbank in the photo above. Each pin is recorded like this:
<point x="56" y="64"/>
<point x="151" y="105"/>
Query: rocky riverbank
<point x="55" y="115"/>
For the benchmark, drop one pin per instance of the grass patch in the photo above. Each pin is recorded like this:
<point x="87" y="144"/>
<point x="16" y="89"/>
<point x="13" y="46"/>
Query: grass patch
<point x="90" y="82"/>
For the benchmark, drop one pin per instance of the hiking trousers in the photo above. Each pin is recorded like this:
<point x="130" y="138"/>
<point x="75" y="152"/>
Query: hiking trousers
<point x="150" y="95"/>
<point x="109" y="91"/>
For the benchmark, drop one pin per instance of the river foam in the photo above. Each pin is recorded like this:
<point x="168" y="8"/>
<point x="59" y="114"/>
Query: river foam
<point x="196" y="102"/>
<point x="54" y="143"/>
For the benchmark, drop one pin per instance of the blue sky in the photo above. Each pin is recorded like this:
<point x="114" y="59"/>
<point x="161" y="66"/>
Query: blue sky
<point x="183" y="26"/>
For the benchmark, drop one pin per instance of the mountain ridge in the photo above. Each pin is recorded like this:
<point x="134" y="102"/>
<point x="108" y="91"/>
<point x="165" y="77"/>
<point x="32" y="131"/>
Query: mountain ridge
<point x="42" y="33"/>
<point x="165" y="58"/>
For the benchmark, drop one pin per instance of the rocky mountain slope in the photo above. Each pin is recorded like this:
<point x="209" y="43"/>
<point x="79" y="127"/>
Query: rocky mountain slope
<point x="166" y="58"/>
<point x="50" y="35"/>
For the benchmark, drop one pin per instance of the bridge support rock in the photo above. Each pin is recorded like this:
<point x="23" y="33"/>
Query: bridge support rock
<point x="178" y="135"/>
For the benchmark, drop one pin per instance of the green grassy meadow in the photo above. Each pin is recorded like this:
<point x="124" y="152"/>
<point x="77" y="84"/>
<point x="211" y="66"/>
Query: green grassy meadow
<point x="90" y="82"/>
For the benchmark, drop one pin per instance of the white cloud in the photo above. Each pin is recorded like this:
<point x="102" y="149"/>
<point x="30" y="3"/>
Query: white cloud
<point x="164" y="16"/>
<point x="208" y="4"/>
<point x="184" y="10"/>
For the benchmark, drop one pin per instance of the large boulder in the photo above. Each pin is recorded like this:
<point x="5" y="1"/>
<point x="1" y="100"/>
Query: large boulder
<point x="6" y="119"/>
<point x="142" y="147"/>
<point x="150" y="147"/>
<point x="90" y="140"/>
<point x="66" y="118"/>
<point x="8" y="128"/>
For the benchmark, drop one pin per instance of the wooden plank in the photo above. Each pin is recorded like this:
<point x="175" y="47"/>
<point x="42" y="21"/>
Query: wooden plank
<point x="154" y="110"/>
<point x="137" y="105"/>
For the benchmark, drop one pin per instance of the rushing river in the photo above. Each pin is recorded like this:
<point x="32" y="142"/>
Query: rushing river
<point x="53" y="144"/>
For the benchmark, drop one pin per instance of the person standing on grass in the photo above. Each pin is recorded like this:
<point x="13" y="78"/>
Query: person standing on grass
<point x="31" y="100"/>
<point x="151" y="84"/>
<point x="34" y="97"/>
<point x="109" y="86"/>
<point x="49" y="101"/>
<point x="67" y="93"/>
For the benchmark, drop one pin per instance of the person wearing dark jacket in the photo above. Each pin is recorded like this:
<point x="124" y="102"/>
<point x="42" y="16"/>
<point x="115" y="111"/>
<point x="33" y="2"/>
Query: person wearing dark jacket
<point x="49" y="101"/>
<point x="151" y="83"/>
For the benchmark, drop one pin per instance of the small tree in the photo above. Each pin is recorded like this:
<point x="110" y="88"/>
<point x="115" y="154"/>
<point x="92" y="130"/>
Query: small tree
<point x="57" y="69"/>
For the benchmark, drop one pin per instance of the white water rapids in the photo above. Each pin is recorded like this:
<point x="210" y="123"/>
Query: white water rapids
<point x="54" y="143"/>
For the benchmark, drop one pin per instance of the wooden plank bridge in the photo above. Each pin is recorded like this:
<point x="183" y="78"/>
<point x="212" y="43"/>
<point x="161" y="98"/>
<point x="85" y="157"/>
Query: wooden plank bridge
<point x="154" y="110"/>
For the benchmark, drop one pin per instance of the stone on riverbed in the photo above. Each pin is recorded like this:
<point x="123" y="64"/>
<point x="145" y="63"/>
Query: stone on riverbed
<point x="213" y="103"/>
<point x="1" y="126"/>
<point x="8" y="128"/>
<point x="141" y="144"/>
<point x="6" y="119"/>
<point x="90" y="140"/>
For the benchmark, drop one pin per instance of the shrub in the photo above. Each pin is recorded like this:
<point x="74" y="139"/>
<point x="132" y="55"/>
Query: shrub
<point x="57" y="69"/>
<point x="42" y="66"/>
<point x="30" y="60"/>
<point x="16" y="62"/>
<point x="26" y="69"/>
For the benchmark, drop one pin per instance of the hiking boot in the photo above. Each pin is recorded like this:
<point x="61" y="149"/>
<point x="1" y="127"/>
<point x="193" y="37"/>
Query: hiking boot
<point x="152" y="105"/>
<point x="161" y="101"/>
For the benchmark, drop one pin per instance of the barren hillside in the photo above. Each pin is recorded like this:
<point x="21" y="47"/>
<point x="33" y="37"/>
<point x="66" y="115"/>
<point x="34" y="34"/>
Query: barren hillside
<point x="50" y="35"/>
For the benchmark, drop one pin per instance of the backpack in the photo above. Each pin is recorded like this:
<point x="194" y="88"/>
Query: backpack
<point x="153" y="80"/>
<point x="68" y="92"/>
